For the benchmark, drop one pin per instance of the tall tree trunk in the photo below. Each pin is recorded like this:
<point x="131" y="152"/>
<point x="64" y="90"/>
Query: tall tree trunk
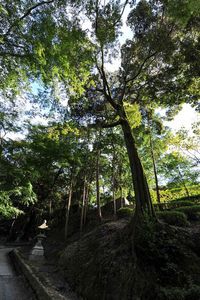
<point x="142" y="194"/>
<point x="50" y="207"/>
<point x="86" y="204"/>
<point x="113" y="186"/>
<point x="121" y="197"/>
<point x="83" y="204"/>
<point x="183" y="181"/>
<point x="113" y="179"/>
<point x="120" y="188"/>
<point x="155" y="170"/>
<point x="11" y="229"/>
<point x="50" y="190"/>
<point x="69" y="204"/>
<point x="97" y="185"/>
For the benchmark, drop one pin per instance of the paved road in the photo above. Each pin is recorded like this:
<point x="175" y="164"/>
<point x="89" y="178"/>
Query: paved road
<point x="12" y="286"/>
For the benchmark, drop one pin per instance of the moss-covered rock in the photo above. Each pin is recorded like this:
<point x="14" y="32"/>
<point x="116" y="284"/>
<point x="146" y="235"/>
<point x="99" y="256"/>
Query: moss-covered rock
<point x="91" y="264"/>
<point x="125" y="212"/>
<point x="107" y="264"/>
<point x="192" y="212"/>
<point x="179" y="203"/>
<point x="172" y="217"/>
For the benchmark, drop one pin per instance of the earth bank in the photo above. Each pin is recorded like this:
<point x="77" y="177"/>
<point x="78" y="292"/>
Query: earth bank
<point x="102" y="264"/>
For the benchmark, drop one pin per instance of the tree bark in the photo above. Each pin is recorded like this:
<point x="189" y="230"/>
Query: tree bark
<point x="86" y="204"/>
<point x="120" y="188"/>
<point x="155" y="170"/>
<point x="83" y="204"/>
<point x="97" y="185"/>
<point x="142" y="194"/>
<point x="69" y="204"/>
<point x="121" y="197"/>
<point x="183" y="181"/>
<point x="113" y="186"/>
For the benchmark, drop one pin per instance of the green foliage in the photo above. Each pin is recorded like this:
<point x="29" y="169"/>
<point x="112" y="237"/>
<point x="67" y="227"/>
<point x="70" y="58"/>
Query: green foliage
<point x="147" y="237"/>
<point x="183" y="10"/>
<point x="173" y="218"/>
<point x="41" y="41"/>
<point x="7" y="209"/>
<point x="133" y="114"/>
<point x="180" y="202"/>
<point x="152" y="141"/>
<point x="188" y="143"/>
<point x="125" y="212"/>
<point x="106" y="21"/>
<point x="178" y="170"/>
<point x="177" y="193"/>
<point x="155" y="244"/>
<point x="190" y="291"/>
<point x="194" y="198"/>
<point x="190" y="211"/>
<point x="47" y="42"/>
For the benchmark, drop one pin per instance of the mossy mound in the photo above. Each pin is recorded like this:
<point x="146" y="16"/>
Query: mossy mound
<point x="91" y="266"/>
<point x="192" y="212"/>
<point x="125" y="212"/>
<point x="172" y="217"/>
<point x="108" y="264"/>
<point x="178" y="203"/>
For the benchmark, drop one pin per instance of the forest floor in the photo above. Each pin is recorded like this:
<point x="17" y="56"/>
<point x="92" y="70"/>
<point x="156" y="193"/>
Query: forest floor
<point x="47" y="271"/>
<point x="47" y="267"/>
<point x="101" y="237"/>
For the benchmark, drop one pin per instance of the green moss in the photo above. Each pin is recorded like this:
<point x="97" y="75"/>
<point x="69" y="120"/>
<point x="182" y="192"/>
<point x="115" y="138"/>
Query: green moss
<point x="173" y="217"/>
<point x="189" y="292"/>
<point x="102" y="264"/>
<point x="125" y="212"/>
<point x="190" y="211"/>
<point x="182" y="203"/>
<point x="193" y="198"/>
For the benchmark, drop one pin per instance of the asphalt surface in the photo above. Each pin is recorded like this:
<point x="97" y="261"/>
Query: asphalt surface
<point x="12" y="285"/>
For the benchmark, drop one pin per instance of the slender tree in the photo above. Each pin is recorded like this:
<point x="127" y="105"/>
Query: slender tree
<point x="68" y="204"/>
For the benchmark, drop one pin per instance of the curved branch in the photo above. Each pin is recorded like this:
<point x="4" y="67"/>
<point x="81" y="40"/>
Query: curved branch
<point x="141" y="67"/>
<point x="111" y="125"/>
<point x="26" y="14"/>
<point x="12" y="54"/>
<point x="106" y="87"/>
<point x="105" y="125"/>
<point x="126" y="2"/>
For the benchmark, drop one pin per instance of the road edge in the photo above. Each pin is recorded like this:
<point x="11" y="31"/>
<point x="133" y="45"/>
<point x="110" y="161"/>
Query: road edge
<point x="42" y="292"/>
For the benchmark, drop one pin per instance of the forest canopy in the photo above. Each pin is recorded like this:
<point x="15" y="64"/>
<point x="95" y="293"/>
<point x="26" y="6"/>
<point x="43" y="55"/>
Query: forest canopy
<point x="104" y="133"/>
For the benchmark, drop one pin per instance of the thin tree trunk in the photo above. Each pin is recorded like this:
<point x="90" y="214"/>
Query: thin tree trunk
<point x="50" y="190"/>
<point x="155" y="170"/>
<point x="86" y="204"/>
<point x="183" y="181"/>
<point x="11" y="229"/>
<point x="69" y="204"/>
<point x="121" y="197"/>
<point x="83" y="204"/>
<point x="120" y="188"/>
<point x="97" y="185"/>
<point x="113" y="186"/>
<point x="142" y="194"/>
<point x="113" y="180"/>
<point x="50" y="207"/>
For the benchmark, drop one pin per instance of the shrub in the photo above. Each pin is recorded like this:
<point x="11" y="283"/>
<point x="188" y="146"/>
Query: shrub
<point x="178" y="193"/>
<point x="173" y="217"/>
<point x="125" y="212"/>
<point x="178" y="203"/>
<point x="190" y="292"/>
<point x="193" y="198"/>
<point x="192" y="212"/>
<point x="198" y="215"/>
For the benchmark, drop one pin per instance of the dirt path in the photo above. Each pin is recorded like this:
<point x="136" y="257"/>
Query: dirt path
<point x="12" y="286"/>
